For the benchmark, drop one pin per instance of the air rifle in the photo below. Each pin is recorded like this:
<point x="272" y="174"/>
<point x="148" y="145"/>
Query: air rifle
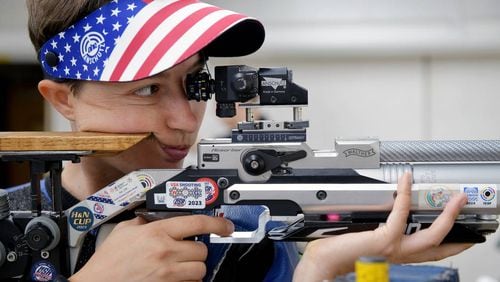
<point x="314" y="193"/>
<point x="310" y="193"/>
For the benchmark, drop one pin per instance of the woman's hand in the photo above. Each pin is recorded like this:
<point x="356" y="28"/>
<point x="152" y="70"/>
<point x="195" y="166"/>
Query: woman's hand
<point x="326" y="258"/>
<point x="155" y="251"/>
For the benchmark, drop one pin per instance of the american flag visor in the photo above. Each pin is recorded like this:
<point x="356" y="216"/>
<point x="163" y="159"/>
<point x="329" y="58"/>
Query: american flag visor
<point x="128" y="40"/>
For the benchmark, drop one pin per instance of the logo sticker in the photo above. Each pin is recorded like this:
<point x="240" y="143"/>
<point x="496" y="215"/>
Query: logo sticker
<point x="472" y="195"/>
<point x="359" y="153"/>
<point x="160" y="199"/>
<point x="81" y="218"/>
<point x="211" y="189"/>
<point x="43" y="271"/>
<point x="98" y="208"/>
<point x="438" y="196"/>
<point x="488" y="194"/>
<point x="211" y="158"/>
<point x="146" y="180"/>
<point x="480" y="195"/>
<point x="92" y="46"/>
<point x="273" y="82"/>
<point x="179" y="202"/>
<point x="125" y="189"/>
<point x="185" y="195"/>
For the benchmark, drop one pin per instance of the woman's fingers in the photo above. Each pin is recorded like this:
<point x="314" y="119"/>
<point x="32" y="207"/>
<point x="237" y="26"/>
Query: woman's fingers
<point x="396" y="222"/>
<point x="435" y="254"/>
<point x="187" y="226"/>
<point x="434" y="235"/>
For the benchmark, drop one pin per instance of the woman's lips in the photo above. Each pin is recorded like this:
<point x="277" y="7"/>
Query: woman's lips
<point x="175" y="153"/>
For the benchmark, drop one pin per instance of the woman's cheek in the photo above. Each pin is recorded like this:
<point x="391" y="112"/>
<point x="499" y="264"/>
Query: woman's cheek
<point x="123" y="122"/>
<point x="198" y="109"/>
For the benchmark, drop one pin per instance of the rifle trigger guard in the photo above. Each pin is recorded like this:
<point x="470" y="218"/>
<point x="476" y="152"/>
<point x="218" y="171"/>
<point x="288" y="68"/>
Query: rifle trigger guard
<point x="251" y="237"/>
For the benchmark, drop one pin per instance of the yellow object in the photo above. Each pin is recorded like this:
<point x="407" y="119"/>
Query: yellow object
<point x="372" y="269"/>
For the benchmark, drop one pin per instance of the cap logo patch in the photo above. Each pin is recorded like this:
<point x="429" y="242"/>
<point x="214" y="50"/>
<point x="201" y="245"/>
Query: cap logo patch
<point x="92" y="46"/>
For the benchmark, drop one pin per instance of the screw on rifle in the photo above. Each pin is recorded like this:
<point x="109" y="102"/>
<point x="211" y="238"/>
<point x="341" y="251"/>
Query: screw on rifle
<point x="321" y="195"/>
<point x="11" y="256"/>
<point x="223" y="182"/>
<point x="254" y="164"/>
<point x="234" y="195"/>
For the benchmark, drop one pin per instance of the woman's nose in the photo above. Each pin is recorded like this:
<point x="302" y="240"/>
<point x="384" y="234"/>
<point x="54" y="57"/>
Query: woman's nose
<point x="179" y="113"/>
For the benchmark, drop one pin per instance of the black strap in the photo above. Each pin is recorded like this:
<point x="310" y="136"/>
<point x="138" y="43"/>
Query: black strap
<point x="246" y="262"/>
<point x="87" y="250"/>
<point x="89" y="241"/>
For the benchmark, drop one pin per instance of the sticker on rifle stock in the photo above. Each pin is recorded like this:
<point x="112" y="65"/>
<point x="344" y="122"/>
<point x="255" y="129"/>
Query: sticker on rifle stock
<point x="126" y="188"/>
<point x="436" y="195"/>
<point x="43" y="271"/>
<point x="185" y="195"/>
<point x="211" y="189"/>
<point x="81" y="218"/>
<point x="146" y="180"/>
<point x="480" y="195"/>
<point x="488" y="194"/>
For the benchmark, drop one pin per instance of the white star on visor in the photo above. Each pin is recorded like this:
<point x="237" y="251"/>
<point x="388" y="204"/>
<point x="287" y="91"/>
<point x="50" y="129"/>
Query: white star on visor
<point x="127" y="40"/>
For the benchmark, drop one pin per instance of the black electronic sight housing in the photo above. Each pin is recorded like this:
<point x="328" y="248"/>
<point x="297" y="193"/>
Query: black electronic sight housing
<point x="240" y="83"/>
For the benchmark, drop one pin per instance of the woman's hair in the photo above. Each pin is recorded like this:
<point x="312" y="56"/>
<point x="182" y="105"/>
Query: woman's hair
<point x="49" y="17"/>
<point x="46" y="18"/>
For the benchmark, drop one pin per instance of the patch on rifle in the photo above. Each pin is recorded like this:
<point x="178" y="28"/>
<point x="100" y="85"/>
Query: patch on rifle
<point x="184" y="195"/>
<point x="126" y="188"/>
<point x="438" y="195"/>
<point x="81" y="218"/>
<point x="211" y="189"/>
<point x="43" y="271"/>
<point x="488" y="194"/>
<point x="480" y="195"/>
<point x="147" y="181"/>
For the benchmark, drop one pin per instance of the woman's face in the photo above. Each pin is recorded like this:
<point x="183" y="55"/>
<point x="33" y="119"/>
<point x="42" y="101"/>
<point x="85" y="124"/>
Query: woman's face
<point x="156" y="105"/>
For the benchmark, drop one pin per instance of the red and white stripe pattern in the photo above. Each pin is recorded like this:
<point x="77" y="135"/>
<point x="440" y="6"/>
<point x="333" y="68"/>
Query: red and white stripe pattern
<point x="163" y="34"/>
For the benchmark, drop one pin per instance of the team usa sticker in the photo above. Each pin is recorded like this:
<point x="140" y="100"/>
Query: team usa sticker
<point x="188" y="195"/>
<point x="185" y="195"/>
<point x="43" y="271"/>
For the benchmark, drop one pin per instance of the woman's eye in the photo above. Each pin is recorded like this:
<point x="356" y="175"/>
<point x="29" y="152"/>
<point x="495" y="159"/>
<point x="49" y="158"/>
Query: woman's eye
<point x="146" y="91"/>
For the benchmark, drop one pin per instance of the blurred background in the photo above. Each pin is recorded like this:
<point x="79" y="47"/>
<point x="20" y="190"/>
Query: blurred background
<point x="395" y="70"/>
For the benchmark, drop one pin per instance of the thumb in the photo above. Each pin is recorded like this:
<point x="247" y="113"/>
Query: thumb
<point x="191" y="225"/>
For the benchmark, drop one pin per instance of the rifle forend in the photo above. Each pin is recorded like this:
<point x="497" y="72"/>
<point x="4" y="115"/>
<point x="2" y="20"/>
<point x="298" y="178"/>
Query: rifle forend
<point x="349" y="184"/>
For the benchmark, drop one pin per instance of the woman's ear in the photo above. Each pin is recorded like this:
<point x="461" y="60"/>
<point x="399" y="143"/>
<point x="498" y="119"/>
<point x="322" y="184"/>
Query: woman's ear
<point x="59" y="96"/>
